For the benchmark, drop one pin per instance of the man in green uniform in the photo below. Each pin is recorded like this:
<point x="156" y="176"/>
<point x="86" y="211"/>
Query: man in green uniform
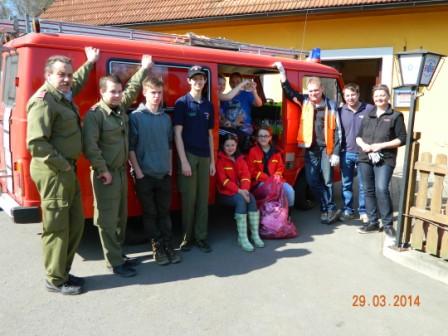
<point x="54" y="142"/>
<point x="105" y="135"/>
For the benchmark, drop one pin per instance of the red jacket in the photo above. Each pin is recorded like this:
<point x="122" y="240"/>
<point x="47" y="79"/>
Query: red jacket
<point x="231" y="175"/>
<point x="256" y="167"/>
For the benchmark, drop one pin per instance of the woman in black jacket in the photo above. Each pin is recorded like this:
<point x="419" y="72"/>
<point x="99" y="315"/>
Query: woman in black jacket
<point x="382" y="132"/>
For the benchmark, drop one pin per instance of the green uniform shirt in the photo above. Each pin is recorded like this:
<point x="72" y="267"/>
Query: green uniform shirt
<point x="53" y="128"/>
<point x="105" y="130"/>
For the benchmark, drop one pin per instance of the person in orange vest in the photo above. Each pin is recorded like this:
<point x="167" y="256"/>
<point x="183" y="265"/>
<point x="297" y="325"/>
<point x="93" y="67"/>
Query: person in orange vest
<point x="264" y="160"/>
<point x="233" y="183"/>
<point x="319" y="133"/>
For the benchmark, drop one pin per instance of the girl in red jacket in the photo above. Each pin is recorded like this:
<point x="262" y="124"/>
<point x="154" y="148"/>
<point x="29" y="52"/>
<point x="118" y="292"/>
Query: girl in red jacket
<point x="233" y="183"/>
<point x="265" y="161"/>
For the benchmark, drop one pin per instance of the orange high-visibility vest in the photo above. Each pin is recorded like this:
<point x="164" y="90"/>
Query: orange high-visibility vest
<point x="306" y="127"/>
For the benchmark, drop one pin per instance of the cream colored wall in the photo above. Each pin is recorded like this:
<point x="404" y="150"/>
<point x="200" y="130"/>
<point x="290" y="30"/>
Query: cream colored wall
<point x="410" y="29"/>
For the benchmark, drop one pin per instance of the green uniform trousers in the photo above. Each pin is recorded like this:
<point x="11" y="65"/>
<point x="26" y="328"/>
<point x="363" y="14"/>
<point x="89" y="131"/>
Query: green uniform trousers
<point x="194" y="195"/>
<point x="111" y="214"/>
<point x="62" y="219"/>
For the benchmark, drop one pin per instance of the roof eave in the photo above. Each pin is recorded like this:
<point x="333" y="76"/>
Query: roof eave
<point x="328" y="10"/>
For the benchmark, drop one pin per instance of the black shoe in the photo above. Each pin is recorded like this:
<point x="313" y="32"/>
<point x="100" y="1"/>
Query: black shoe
<point x="346" y="216"/>
<point x="369" y="228"/>
<point x="390" y="231"/>
<point x="186" y="245"/>
<point x="67" y="288"/>
<point x="203" y="246"/>
<point x="77" y="281"/>
<point x="333" y="216"/>
<point x="159" y="253"/>
<point x="124" y="271"/>
<point x="172" y="255"/>
<point x="131" y="262"/>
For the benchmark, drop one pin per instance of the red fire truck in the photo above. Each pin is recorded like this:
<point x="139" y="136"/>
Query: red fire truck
<point x="27" y="46"/>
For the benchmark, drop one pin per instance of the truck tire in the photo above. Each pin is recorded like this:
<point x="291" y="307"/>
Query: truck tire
<point x="303" y="196"/>
<point x="26" y="215"/>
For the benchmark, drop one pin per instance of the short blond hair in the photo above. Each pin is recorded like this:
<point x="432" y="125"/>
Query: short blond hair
<point x="152" y="81"/>
<point x="314" y="80"/>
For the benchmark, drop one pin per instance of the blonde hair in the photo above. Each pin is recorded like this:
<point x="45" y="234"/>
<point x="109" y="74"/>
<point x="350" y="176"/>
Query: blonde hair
<point x="314" y="80"/>
<point x="152" y="81"/>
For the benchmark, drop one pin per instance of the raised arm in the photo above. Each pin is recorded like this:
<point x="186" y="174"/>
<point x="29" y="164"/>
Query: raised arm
<point x="82" y="74"/>
<point x="281" y="70"/>
<point x="134" y="84"/>
<point x="257" y="100"/>
<point x="232" y="93"/>
<point x="290" y="93"/>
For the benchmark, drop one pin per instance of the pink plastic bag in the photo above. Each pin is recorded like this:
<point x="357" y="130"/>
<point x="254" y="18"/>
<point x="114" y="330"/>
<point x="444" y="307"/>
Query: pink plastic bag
<point x="273" y="205"/>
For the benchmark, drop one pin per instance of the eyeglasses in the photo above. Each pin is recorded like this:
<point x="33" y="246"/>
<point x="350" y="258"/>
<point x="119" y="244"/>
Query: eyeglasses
<point x="264" y="136"/>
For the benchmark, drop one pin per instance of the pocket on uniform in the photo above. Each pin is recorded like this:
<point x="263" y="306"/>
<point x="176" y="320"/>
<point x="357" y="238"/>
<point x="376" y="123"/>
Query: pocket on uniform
<point x="112" y="134"/>
<point x="55" y="214"/>
<point x="69" y="124"/>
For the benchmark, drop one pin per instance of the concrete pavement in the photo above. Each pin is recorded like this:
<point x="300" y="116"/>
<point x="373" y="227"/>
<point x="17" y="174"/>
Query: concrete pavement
<point x="302" y="286"/>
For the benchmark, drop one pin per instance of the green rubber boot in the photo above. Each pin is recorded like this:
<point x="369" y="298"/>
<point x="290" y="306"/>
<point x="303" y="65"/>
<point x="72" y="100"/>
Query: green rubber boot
<point x="241" y="225"/>
<point x="254" y="222"/>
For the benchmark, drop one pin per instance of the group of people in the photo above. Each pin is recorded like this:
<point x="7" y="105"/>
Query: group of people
<point x="110" y="138"/>
<point x="359" y="137"/>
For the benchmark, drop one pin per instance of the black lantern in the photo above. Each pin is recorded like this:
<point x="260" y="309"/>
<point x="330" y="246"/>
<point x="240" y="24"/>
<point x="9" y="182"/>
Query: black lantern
<point x="417" y="69"/>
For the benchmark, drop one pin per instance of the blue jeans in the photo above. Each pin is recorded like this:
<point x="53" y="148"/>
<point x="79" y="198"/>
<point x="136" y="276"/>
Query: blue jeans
<point x="237" y="201"/>
<point x="349" y="169"/>
<point x="289" y="192"/>
<point x="376" y="185"/>
<point x="319" y="176"/>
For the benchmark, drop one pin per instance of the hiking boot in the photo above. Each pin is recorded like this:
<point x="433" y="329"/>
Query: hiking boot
<point x="131" y="262"/>
<point x="185" y="246"/>
<point x="333" y="216"/>
<point x="390" y="231"/>
<point x="159" y="254"/>
<point x="324" y="218"/>
<point x="369" y="228"/>
<point x="203" y="246"/>
<point x="363" y="218"/>
<point x="172" y="255"/>
<point x="67" y="288"/>
<point x="77" y="281"/>
<point x="124" y="271"/>
<point x="346" y="216"/>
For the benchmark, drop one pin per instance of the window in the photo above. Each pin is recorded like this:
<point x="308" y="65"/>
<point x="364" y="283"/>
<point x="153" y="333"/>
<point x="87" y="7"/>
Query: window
<point x="9" y="80"/>
<point x="174" y="78"/>
<point x="268" y="89"/>
<point x="331" y="88"/>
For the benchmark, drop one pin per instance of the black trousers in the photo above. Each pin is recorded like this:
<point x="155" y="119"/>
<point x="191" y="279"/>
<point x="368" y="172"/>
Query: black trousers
<point x="155" y="197"/>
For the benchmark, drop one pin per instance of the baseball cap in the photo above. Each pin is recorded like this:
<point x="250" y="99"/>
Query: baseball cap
<point x="196" y="70"/>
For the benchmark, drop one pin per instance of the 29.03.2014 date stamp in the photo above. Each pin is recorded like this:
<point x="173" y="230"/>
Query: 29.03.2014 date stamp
<point x="382" y="300"/>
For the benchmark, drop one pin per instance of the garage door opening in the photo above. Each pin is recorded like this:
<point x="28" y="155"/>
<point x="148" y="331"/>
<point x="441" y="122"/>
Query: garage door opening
<point x="365" y="72"/>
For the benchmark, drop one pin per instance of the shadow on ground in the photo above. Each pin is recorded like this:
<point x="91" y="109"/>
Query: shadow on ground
<point x="226" y="260"/>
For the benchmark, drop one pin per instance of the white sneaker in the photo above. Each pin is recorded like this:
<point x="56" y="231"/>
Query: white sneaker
<point x="363" y="218"/>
